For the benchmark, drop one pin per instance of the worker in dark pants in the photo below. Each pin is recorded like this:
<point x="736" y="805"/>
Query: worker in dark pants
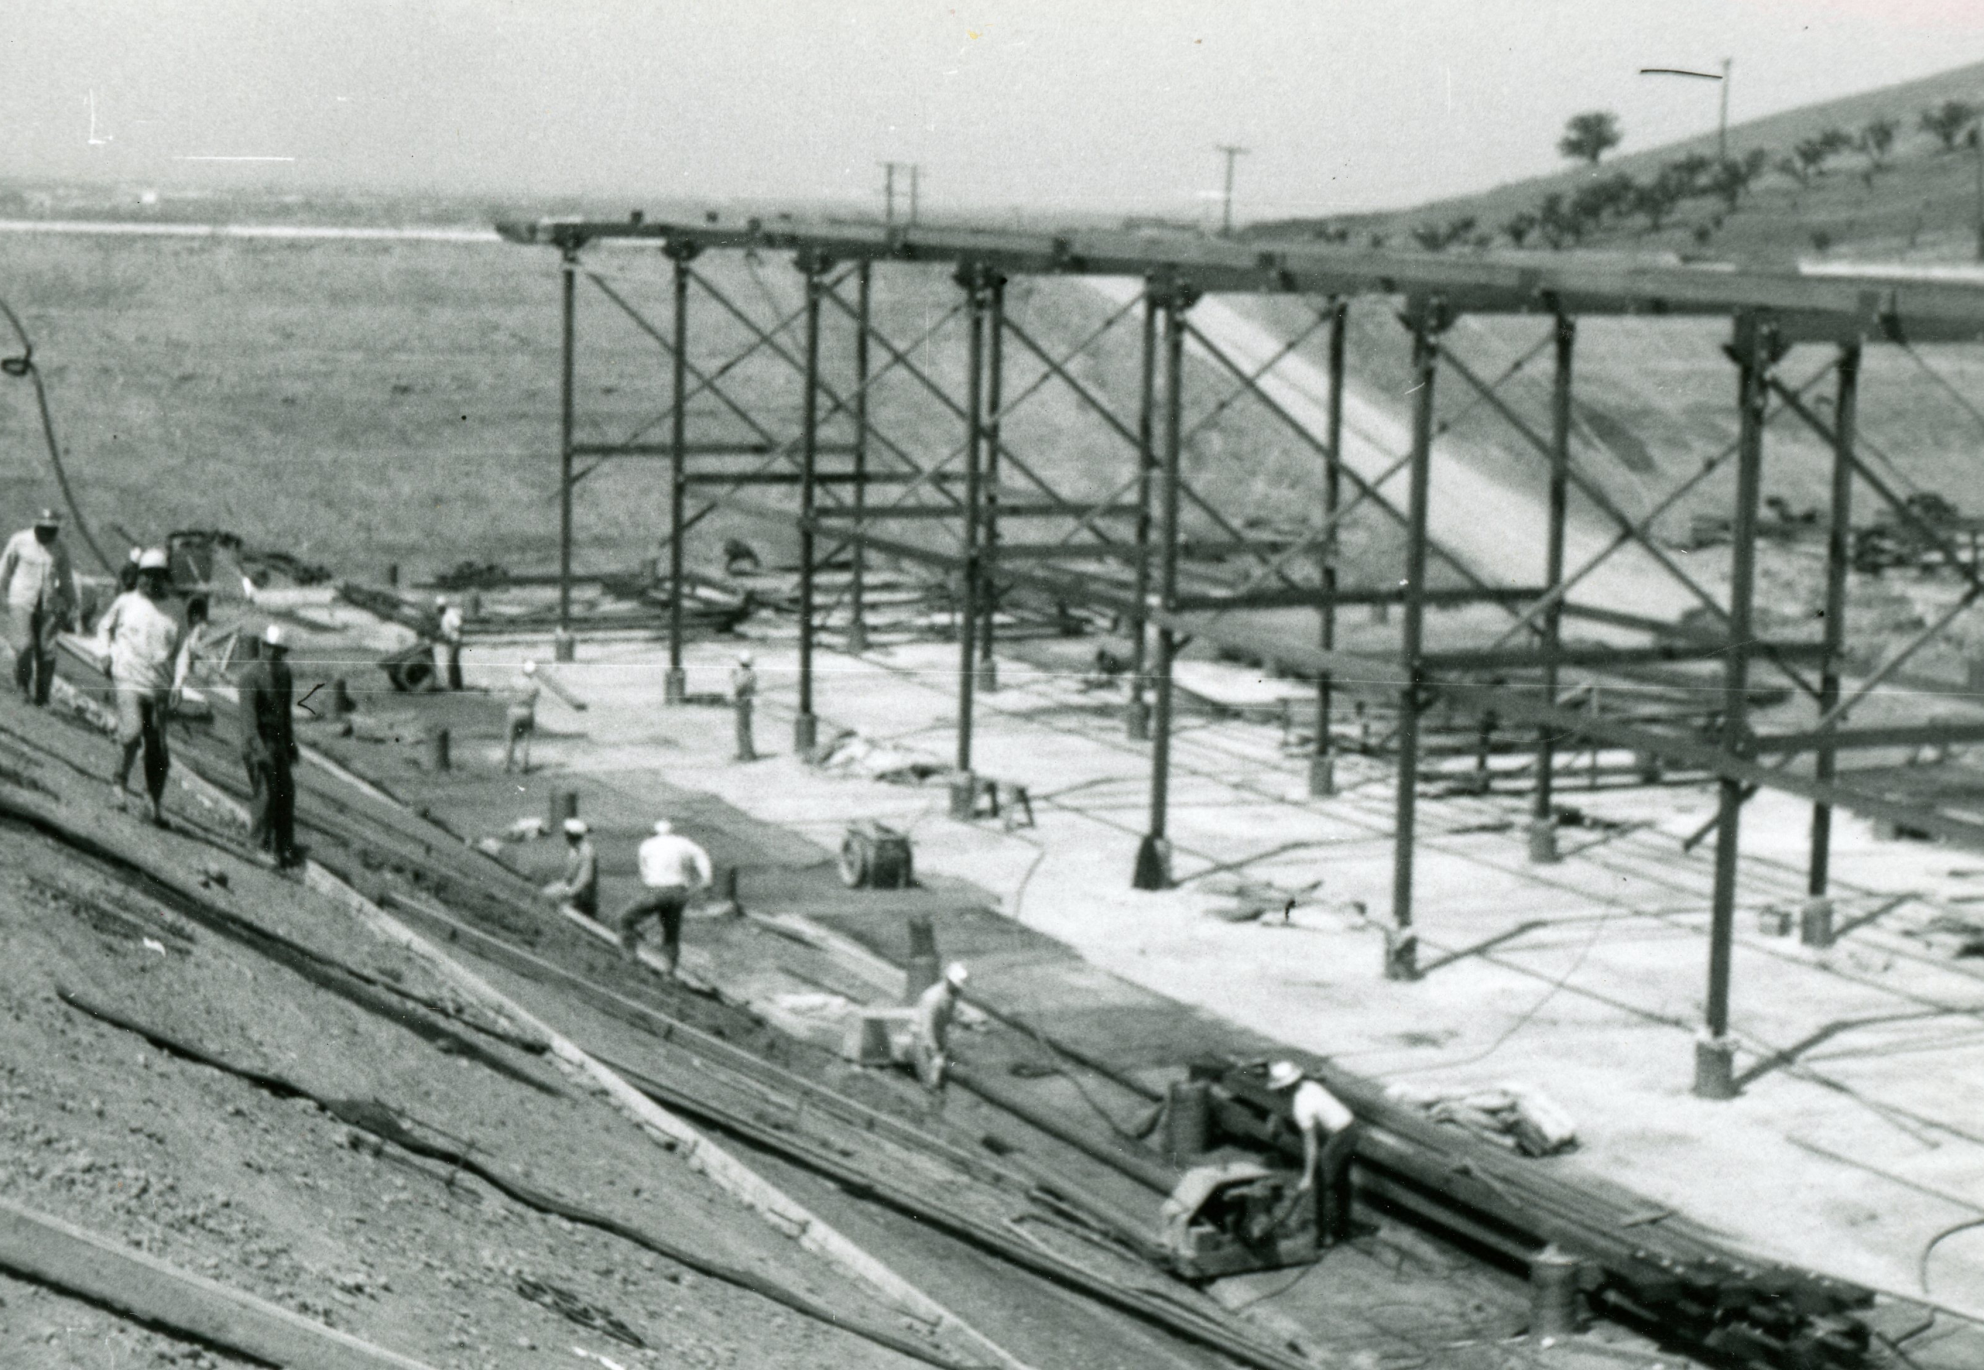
<point x="268" y="750"/>
<point x="1329" y="1138"/>
<point x="450" y="641"/>
<point x="673" y="869"/>
<point x="41" y="597"/>
<point x="743" y="700"/>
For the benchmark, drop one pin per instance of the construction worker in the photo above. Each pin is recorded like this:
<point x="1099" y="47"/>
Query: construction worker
<point x="520" y="719"/>
<point x="1329" y="1136"/>
<point x="578" y="888"/>
<point x="268" y="748"/>
<point x="743" y="698"/>
<point x="41" y="598"/>
<point x="450" y="639"/>
<point x="673" y="869"/>
<point x="145" y="644"/>
<point x="930" y="1026"/>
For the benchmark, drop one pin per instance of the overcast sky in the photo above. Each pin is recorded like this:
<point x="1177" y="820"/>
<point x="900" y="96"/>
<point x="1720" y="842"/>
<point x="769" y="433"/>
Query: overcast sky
<point x="1057" y="104"/>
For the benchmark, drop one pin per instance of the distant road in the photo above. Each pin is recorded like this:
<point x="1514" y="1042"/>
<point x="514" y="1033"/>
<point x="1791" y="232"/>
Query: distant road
<point x="125" y="228"/>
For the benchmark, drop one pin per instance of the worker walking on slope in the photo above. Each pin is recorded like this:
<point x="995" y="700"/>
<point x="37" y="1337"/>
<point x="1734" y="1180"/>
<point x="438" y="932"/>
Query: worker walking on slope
<point x="673" y="869"/>
<point x="145" y="644"/>
<point x="41" y="599"/>
<point x="1329" y="1137"/>
<point x="450" y="638"/>
<point x="520" y="719"/>
<point x="743" y="699"/>
<point x="578" y="888"/>
<point x="930" y="1026"/>
<point x="268" y="749"/>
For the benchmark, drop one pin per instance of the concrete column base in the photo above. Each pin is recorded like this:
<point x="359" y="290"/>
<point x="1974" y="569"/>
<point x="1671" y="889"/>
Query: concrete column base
<point x="1715" y="1068"/>
<point x="675" y="686"/>
<point x="805" y="733"/>
<point x="564" y="805"/>
<point x="857" y="637"/>
<point x="988" y="676"/>
<point x="564" y="647"/>
<point x="964" y="797"/>
<point x="1543" y="842"/>
<point x="1322" y="776"/>
<point x="1815" y="922"/>
<point x="437" y="750"/>
<point x="1153" y="865"/>
<point x="1136" y="720"/>
<point x="1555" y="1298"/>
<point x="1401" y="954"/>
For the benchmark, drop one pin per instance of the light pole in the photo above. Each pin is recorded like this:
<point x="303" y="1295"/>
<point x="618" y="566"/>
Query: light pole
<point x="1226" y="213"/>
<point x="1722" y="122"/>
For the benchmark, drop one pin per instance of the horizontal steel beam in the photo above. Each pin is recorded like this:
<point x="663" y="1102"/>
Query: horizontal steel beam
<point x="1306" y="598"/>
<point x="1066" y="551"/>
<point x="1947" y="731"/>
<point x="697" y="449"/>
<point x="1027" y="510"/>
<point x="795" y="478"/>
<point x="1833" y="306"/>
<point x="1598" y="656"/>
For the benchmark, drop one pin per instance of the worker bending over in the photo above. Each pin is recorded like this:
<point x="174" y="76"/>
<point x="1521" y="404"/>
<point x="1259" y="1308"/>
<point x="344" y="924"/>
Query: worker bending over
<point x="41" y="599"/>
<point x="520" y="719"/>
<point x="930" y="1026"/>
<point x="145" y="644"/>
<point x="743" y="699"/>
<point x="1329" y="1137"/>
<point x="451" y="641"/>
<point x="578" y="888"/>
<point x="673" y="869"/>
<point x="268" y="748"/>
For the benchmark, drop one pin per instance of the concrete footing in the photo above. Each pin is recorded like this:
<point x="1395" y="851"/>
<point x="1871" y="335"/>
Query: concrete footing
<point x="1322" y="776"/>
<point x="1555" y="1299"/>
<point x="1153" y="865"/>
<point x="1401" y="954"/>
<point x="564" y="647"/>
<point x="964" y="797"/>
<point x="1815" y="922"/>
<point x="857" y="637"/>
<point x="805" y="733"/>
<point x="437" y="749"/>
<point x="988" y="676"/>
<point x="1715" y="1068"/>
<point x="675" y="686"/>
<point x="1136" y="720"/>
<point x="564" y="805"/>
<point x="1543" y="842"/>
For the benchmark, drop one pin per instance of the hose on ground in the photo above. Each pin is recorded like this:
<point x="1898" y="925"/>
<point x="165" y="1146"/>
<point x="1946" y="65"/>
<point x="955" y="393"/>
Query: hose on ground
<point x="23" y="365"/>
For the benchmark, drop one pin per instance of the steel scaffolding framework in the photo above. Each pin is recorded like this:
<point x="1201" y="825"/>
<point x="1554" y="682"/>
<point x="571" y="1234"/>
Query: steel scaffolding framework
<point x="1127" y="553"/>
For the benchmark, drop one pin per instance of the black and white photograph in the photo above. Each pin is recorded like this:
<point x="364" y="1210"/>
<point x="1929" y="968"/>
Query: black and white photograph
<point x="992" y="685"/>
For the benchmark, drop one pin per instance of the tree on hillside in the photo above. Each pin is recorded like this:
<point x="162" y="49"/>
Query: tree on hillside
<point x="1877" y="139"/>
<point x="1734" y="176"/>
<point x="1690" y="173"/>
<point x="1520" y="225"/>
<point x="1589" y="136"/>
<point x="1948" y="120"/>
<point x="1656" y="198"/>
<point x="1813" y="153"/>
<point x="1796" y="169"/>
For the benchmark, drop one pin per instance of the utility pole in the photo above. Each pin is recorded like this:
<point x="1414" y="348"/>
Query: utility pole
<point x="1722" y="123"/>
<point x="1232" y="154"/>
<point x="915" y="184"/>
<point x="889" y="193"/>
<point x="1976" y="141"/>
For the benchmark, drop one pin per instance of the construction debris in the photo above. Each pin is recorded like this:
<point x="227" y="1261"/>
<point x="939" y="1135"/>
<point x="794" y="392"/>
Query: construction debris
<point x="1513" y="1116"/>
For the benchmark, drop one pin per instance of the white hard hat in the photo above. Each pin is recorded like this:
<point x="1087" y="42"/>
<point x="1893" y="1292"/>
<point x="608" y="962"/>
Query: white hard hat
<point x="1284" y="1075"/>
<point x="576" y="827"/>
<point x="154" y="559"/>
<point x="137" y="555"/>
<point x="743" y="658"/>
<point x="955" y="974"/>
<point x="530" y="668"/>
<point x="275" y="636"/>
<point x="48" y="518"/>
<point x="662" y="827"/>
<point x="440" y="601"/>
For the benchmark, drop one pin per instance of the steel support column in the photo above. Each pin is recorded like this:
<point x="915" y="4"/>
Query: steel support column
<point x="857" y="628"/>
<point x="1401" y="953"/>
<point x="805" y="727"/>
<point x="1543" y="822"/>
<point x="972" y="278"/>
<point x="675" y="687"/>
<point x="1322" y="763"/>
<point x="988" y="554"/>
<point x="1838" y="553"/>
<point x="1136" y="718"/>
<point x="568" y="309"/>
<point x="1153" y="870"/>
<point x="1714" y="1053"/>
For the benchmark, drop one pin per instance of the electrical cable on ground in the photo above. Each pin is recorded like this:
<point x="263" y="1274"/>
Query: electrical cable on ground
<point x="23" y="365"/>
<point x="1922" y="1262"/>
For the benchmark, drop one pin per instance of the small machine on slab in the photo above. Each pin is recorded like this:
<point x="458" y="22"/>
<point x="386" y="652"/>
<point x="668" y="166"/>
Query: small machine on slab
<point x="1234" y="1217"/>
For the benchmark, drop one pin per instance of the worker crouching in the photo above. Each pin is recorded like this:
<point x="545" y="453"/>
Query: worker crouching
<point x="930" y="1027"/>
<point x="145" y="644"/>
<point x="673" y="870"/>
<point x="1329" y="1139"/>
<point x="577" y="890"/>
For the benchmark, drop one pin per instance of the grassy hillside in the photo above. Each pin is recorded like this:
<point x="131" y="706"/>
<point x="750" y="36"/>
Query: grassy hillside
<point x="1917" y="201"/>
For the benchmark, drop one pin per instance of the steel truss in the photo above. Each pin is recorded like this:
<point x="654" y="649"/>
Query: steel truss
<point x="1129" y="552"/>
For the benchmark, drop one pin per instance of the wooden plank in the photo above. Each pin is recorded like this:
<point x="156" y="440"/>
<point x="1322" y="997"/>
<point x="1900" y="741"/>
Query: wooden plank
<point x="50" y="1251"/>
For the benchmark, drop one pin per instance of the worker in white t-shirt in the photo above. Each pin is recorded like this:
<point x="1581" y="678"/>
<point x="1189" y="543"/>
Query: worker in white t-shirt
<point x="1329" y="1138"/>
